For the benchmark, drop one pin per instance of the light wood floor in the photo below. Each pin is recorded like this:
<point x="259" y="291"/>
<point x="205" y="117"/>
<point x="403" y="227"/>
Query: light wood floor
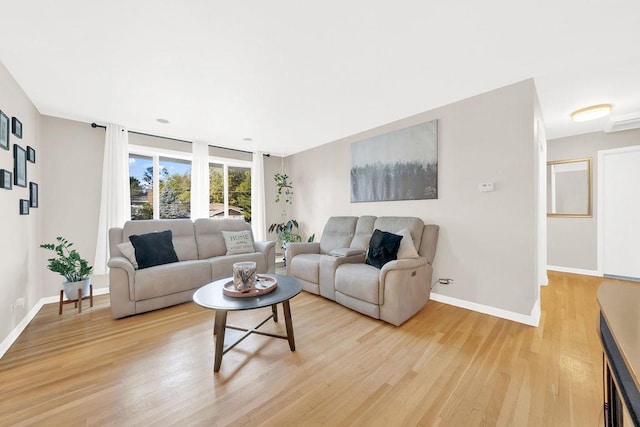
<point x="446" y="366"/>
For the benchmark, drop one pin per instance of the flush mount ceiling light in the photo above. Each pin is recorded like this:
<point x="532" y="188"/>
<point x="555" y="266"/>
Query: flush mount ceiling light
<point x="590" y="113"/>
<point x="247" y="139"/>
<point x="163" y="121"/>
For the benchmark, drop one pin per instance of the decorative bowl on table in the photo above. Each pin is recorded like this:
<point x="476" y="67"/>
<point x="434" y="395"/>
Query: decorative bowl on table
<point x="264" y="285"/>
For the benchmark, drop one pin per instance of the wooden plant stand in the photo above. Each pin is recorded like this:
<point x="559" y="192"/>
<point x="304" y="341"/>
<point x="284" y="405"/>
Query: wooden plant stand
<point x="78" y="302"/>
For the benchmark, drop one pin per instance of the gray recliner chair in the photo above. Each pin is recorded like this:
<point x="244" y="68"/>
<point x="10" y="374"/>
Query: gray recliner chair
<point x="304" y="259"/>
<point x="335" y="268"/>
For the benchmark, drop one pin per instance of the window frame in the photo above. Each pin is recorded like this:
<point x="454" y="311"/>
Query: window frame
<point x="226" y="163"/>
<point x="155" y="154"/>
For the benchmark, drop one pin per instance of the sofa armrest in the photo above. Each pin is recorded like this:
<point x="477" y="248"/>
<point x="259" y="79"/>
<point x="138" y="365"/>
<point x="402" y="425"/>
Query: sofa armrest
<point x="121" y="286"/>
<point x="405" y="286"/>
<point x="123" y="263"/>
<point x="297" y="248"/>
<point x="345" y="252"/>
<point x="328" y="266"/>
<point x="268" y="248"/>
<point x="264" y="246"/>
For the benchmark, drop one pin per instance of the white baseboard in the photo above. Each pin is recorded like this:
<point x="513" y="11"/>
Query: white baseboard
<point x="574" y="270"/>
<point x="13" y="336"/>
<point x="532" y="319"/>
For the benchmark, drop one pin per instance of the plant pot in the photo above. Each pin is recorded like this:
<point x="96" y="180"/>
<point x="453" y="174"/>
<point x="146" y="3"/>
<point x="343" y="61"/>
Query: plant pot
<point x="71" y="288"/>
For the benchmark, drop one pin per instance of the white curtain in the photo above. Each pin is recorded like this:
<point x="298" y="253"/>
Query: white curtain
<point x="258" y="215"/>
<point x="200" y="180"/>
<point x="115" y="204"/>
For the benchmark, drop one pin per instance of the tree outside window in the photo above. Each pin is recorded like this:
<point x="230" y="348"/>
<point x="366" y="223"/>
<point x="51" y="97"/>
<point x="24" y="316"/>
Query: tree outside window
<point x="175" y="188"/>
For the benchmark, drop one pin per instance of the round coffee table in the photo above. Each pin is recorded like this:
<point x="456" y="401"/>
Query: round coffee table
<point x="211" y="296"/>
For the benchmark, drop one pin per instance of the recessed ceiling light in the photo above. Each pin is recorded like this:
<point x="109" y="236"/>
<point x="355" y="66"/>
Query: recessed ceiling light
<point x="163" y="121"/>
<point x="247" y="139"/>
<point x="590" y="113"/>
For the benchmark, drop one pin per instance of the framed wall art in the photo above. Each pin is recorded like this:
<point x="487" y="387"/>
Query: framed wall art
<point x="5" y="179"/>
<point x="399" y="165"/>
<point x="31" y="154"/>
<point x="4" y="131"/>
<point x="24" y="207"/>
<point x="16" y="127"/>
<point x="19" y="166"/>
<point x="33" y="195"/>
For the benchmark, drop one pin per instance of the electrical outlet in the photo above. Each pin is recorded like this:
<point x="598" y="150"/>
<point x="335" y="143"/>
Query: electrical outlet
<point x="19" y="302"/>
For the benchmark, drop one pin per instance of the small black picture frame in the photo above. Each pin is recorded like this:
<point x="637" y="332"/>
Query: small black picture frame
<point x="19" y="166"/>
<point x="4" y="131"/>
<point x="16" y="127"/>
<point x="24" y="207"/>
<point x="5" y="179"/>
<point x="33" y="195"/>
<point x="31" y="154"/>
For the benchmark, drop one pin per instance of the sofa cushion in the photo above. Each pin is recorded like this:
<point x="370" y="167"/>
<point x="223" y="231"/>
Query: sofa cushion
<point x="407" y="250"/>
<point x="129" y="251"/>
<point x="183" y="238"/>
<point x="306" y="267"/>
<point x="337" y="233"/>
<point x="168" y="279"/>
<point x="394" y="224"/>
<point x="154" y="249"/>
<point x="208" y="234"/>
<point x="238" y="242"/>
<point x="359" y="281"/>
<point x="383" y="248"/>
<point x="364" y="229"/>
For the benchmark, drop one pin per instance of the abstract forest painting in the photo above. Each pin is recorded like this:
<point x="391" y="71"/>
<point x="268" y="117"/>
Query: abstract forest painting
<point x="400" y="165"/>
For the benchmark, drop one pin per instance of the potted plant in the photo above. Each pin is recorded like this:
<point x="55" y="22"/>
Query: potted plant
<point x="285" y="230"/>
<point x="71" y="265"/>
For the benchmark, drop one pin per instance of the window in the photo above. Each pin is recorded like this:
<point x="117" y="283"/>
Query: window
<point x="229" y="191"/>
<point x="160" y="183"/>
<point x="141" y="186"/>
<point x="175" y="188"/>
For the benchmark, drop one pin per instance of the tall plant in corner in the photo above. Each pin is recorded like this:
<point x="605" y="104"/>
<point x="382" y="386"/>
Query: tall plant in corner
<point x="285" y="229"/>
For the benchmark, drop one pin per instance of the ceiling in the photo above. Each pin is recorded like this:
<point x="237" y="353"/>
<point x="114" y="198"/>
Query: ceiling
<point x="292" y="75"/>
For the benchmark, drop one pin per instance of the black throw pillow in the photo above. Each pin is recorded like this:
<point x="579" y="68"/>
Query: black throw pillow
<point x="154" y="249"/>
<point x="383" y="247"/>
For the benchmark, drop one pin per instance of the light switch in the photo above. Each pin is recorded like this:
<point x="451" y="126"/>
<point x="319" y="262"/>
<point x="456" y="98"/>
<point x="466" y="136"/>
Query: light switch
<point x="486" y="187"/>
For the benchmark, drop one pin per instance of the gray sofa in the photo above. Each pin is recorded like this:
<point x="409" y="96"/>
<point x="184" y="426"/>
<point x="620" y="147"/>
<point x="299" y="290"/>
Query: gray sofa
<point x="201" y="252"/>
<point x="335" y="267"/>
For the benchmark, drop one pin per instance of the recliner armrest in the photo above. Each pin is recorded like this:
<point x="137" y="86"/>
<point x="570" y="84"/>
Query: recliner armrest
<point x="344" y="252"/>
<point x="296" y="248"/>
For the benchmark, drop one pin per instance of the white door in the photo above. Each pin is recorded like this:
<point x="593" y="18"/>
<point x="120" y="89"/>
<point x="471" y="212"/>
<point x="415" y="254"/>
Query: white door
<point x="619" y="212"/>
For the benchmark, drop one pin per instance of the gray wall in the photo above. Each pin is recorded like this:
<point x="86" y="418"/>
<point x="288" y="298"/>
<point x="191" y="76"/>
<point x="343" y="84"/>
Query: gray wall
<point x="19" y="261"/>
<point x="572" y="242"/>
<point x="71" y="157"/>
<point x="487" y="240"/>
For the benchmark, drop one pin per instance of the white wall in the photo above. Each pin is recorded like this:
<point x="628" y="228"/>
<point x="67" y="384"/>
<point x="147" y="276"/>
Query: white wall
<point x="572" y="242"/>
<point x="488" y="241"/>
<point x="19" y="259"/>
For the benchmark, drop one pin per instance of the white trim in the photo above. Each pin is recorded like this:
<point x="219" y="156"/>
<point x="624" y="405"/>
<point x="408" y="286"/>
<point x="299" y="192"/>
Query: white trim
<point x="13" y="336"/>
<point x="574" y="270"/>
<point x="532" y="319"/>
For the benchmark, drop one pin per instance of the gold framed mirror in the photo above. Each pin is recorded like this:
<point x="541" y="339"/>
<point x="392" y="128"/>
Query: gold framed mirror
<point x="569" y="188"/>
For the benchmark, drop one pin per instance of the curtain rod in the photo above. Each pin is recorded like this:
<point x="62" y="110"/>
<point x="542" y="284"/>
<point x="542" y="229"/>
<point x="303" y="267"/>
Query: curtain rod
<point x="95" y="125"/>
